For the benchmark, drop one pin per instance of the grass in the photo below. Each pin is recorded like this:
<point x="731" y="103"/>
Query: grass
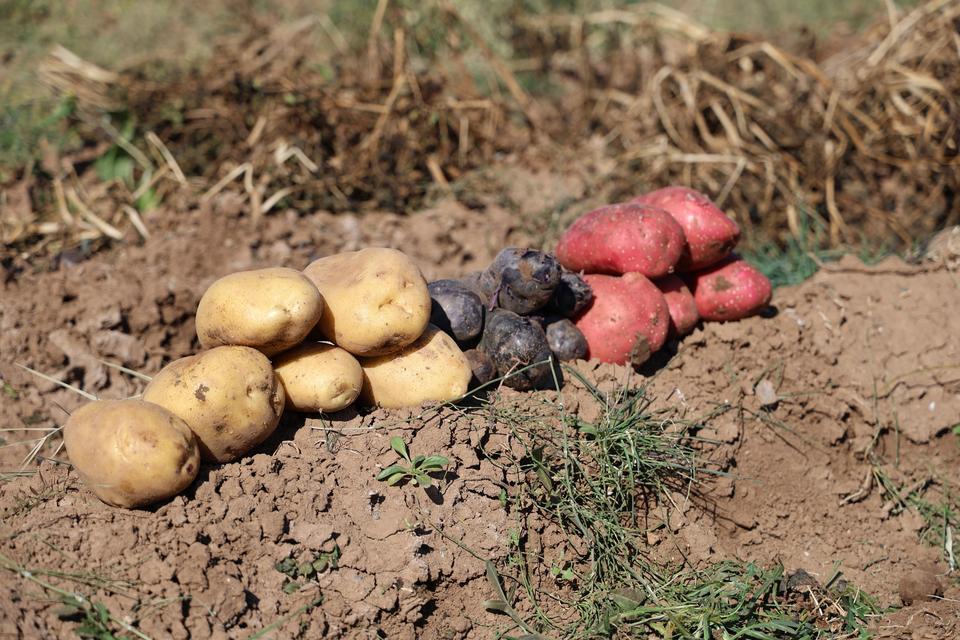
<point x="800" y="257"/>
<point x="596" y="480"/>
<point x="93" y="619"/>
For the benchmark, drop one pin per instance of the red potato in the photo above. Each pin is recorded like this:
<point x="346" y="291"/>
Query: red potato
<point x="622" y="238"/>
<point x="710" y="234"/>
<point x="628" y="320"/>
<point x="730" y="290"/>
<point x="683" y="308"/>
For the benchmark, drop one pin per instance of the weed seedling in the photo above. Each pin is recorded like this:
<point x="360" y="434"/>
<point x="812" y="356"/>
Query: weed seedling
<point x="417" y="468"/>
<point x="298" y="572"/>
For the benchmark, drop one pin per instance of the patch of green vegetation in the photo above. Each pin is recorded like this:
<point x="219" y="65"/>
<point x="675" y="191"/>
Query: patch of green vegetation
<point x="596" y="479"/>
<point x="417" y="469"/>
<point x="299" y="572"/>
<point x="93" y="619"/>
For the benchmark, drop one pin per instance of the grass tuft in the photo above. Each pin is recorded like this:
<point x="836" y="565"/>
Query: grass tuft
<point x="595" y="480"/>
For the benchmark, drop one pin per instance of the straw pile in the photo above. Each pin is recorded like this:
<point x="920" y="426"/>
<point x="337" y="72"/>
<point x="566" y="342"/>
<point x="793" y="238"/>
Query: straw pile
<point x="864" y="142"/>
<point x="862" y="145"/>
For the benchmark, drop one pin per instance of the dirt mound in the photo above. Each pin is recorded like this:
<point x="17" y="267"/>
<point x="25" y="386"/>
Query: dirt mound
<point x="823" y="433"/>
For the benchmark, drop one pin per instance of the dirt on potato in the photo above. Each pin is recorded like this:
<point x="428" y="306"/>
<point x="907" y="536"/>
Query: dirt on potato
<point x="853" y="373"/>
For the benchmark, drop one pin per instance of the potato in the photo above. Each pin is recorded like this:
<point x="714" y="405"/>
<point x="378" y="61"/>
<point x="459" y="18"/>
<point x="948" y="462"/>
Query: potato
<point x="518" y="347"/>
<point x="456" y="310"/>
<point x="680" y="303"/>
<point x="730" y="290"/>
<point x="521" y="280"/>
<point x="628" y="320"/>
<point x="622" y="238"/>
<point x="432" y="369"/>
<point x="319" y="377"/>
<point x="571" y="296"/>
<point x="131" y="453"/>
<point x="710" y="234"/>
<point x="270" y="310"/>
<point x="484" y="370"/>
<point x="228" y="396"/>
<point x="377" y="300"/>
<point x="565" y="340"/>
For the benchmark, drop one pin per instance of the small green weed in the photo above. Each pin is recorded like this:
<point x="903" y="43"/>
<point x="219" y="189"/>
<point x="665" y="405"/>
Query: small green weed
<point x="94" y="620"/>
<point x="418" y="468"/>
<point x="299" y="572"/>
<point x="596" y="479"/>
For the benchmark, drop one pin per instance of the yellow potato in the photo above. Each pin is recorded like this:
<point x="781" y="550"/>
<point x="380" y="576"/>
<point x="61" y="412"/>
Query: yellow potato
<point x="131" y="453"/>
<point x="319" y="377"/>
<point x="377" y="300"/>
<point x="431" y="369"/>
<point x="270" y="310"/>
<point x="228" y="396"/>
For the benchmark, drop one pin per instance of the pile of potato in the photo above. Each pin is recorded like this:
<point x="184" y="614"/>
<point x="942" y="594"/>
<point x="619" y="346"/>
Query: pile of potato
<point x="658" y="265"/>
<point x="514" y="319"/>
<point x="365" y="326"/>
<point x="352" y="326"/>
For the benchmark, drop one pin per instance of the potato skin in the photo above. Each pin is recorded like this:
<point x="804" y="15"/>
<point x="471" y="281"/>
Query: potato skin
<point x="518" y="343"/>
<point x="680" y="303"/>
<point x="228" y="396"/>
<point x="623" y="238"/>
<point x="484" y="370"/>
<point x="319" y="377"/>
<point x="270" y="310"/>
<point x="571" y="296"/>
<point x="710" y="235"/>
<point x="377" y="300"/>
<point x="628" y="320"/>
<point x="565" y="340"/>
<point x="131" y="453"/>
<point x="730" y="290"/>
<point x="521" y="280"/>
<point x="456" y="309"/>
<point x="432" y="369"/>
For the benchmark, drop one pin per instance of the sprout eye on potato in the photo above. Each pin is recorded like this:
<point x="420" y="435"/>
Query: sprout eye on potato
<point x="228" y="396"/>
<point x="270" y="310"/>
<point x="131" y="453"/>
<point x="319" y="377"/>
<point x="377" y="300"/>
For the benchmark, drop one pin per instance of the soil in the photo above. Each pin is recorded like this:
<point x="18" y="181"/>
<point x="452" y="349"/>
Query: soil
<point x="857" y="365"/>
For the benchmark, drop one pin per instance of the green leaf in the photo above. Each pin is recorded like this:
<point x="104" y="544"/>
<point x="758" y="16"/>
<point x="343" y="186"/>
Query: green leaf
<point x="398" y="445"/>
<point x="306" y="569"/>
<point x="148" y="200"/>
<point x="396" y="478"/>
<point x="390" y="471"/>
<point x="494" y="579"/>
<point x="418" y="460"/>
<point x="498" y="606"/>
<point x="424" y="480"/>
<point x="434" y="462"/>
<point x="291" y="587"/>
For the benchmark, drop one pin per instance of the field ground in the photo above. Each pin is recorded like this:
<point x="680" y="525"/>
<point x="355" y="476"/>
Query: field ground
<point x="791" y="475"/>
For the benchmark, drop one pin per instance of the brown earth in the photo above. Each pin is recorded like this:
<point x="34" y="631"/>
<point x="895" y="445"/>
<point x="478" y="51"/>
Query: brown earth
<point x="857" y="367"/>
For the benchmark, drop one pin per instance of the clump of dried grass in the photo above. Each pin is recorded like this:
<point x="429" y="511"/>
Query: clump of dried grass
<point x="864" y="143"/>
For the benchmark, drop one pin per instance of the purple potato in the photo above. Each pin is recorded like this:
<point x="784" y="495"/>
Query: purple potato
<point x="571" y="297"/>
<point x="514" y="343"/>
<point x="455" y="309"/>
<point x="484" y="370"/>
<point x="566" y="341"/>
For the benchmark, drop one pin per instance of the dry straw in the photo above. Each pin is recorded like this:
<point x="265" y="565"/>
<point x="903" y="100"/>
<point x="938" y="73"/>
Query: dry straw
<point x="865" y="142"/>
